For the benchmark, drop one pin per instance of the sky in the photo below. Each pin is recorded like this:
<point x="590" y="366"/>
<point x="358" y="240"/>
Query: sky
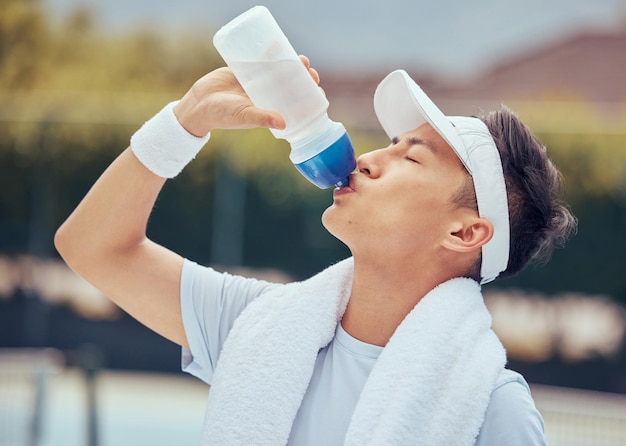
<point x="448" y="38"/>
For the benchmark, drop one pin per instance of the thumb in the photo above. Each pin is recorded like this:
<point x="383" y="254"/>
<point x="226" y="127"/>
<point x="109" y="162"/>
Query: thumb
<point x="277" y="121"/>
<point x="258" y="117"/>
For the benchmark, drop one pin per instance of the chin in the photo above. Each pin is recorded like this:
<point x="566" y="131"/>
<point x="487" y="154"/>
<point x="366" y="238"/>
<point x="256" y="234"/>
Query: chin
<point x="334" y="225"/>
<point x="327" y="220"/>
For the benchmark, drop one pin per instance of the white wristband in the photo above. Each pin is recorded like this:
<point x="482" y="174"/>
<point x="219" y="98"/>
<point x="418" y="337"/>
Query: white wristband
<point x="163" y="145"/>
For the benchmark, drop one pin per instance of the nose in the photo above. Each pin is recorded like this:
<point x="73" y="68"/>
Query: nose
<point x="369" y="163"/>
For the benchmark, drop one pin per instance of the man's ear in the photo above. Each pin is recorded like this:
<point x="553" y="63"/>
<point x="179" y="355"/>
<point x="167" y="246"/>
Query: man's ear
<point x="468" y="234"/>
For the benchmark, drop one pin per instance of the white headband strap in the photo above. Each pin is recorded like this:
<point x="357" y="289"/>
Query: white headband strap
<point x="485" y="166"/>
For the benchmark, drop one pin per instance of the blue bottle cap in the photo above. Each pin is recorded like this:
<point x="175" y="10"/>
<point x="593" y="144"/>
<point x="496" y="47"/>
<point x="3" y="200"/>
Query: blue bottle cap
<point x="331" y="166"/>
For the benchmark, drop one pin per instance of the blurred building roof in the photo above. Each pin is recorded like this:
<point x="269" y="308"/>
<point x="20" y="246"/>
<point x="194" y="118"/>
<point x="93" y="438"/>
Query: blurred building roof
<point x="589" y="67"/>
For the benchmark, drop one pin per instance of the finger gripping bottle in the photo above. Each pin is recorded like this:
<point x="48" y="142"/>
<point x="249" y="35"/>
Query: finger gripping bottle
<point x="271" y="73"/>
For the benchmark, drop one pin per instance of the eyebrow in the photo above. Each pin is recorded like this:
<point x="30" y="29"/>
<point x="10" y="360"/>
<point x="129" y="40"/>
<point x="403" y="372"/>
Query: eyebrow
<point x="415" y="141"/>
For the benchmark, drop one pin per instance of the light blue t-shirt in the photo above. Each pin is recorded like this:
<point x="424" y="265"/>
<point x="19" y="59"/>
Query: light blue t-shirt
<point x="211" y="302"/>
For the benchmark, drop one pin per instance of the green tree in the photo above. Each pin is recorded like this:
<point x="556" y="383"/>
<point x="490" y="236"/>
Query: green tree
<point x="70" y="97"/>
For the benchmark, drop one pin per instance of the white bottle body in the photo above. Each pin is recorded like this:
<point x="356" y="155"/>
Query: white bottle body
<point x="271" y="73"/>
<point x="298" y="103"/>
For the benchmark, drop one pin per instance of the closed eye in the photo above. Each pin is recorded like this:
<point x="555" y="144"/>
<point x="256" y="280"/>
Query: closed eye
<point x="413" y="160"/>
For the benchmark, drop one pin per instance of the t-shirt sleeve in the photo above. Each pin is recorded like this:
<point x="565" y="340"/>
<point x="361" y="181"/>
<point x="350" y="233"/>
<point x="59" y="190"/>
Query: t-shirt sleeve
<point x="512" y="418"/>
<point x="210" y="303"/>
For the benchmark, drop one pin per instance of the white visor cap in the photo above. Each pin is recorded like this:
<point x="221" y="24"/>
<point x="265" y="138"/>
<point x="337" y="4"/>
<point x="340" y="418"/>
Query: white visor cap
<point x="401" y="106"/>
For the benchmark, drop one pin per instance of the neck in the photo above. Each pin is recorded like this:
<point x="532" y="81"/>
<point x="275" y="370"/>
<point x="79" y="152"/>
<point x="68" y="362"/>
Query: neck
<point x="383" y="294"/>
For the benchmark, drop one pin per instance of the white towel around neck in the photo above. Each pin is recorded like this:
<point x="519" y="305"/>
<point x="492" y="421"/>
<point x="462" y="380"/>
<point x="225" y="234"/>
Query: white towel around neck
<point x="430" y="386"/>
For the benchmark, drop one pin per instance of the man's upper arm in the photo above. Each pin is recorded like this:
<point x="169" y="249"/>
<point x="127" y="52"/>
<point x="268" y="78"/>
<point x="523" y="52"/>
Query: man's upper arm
<point x="211" y="302"/>
<point x="145" y="283"/>
<point x="104" y="241"/>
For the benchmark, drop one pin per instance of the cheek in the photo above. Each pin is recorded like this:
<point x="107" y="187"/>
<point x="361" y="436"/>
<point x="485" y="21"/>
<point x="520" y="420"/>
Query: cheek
<point x="417" y="222"/>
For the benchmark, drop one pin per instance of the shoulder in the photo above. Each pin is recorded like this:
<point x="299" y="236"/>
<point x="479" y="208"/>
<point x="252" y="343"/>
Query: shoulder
<point x="203" y="280"/>
<point x="511" y="416"/>
<point x="210" y="302"/>
<point x="510" y="379"/>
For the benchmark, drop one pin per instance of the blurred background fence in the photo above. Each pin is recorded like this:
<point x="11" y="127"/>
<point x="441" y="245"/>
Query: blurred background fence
<point x="581" y="418"/>
<point x="24" y="379"/>
<point x="43" y="403"/>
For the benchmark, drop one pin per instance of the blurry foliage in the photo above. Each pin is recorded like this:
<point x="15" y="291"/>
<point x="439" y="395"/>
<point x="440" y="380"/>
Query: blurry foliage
<point x="24" y="38"/>
<point x="587" y="143"/>
<point x="589" y="147"/>
<point x="70" y="97"/>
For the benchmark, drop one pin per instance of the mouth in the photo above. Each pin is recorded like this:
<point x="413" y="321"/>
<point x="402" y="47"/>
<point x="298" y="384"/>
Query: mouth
<point x="349" y="188"/>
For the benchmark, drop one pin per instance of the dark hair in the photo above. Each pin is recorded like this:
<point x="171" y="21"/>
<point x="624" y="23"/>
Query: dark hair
<point x="538" y="219"/>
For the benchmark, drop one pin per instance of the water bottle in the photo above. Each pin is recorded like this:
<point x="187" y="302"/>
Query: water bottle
<point x="271" y="73"/>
